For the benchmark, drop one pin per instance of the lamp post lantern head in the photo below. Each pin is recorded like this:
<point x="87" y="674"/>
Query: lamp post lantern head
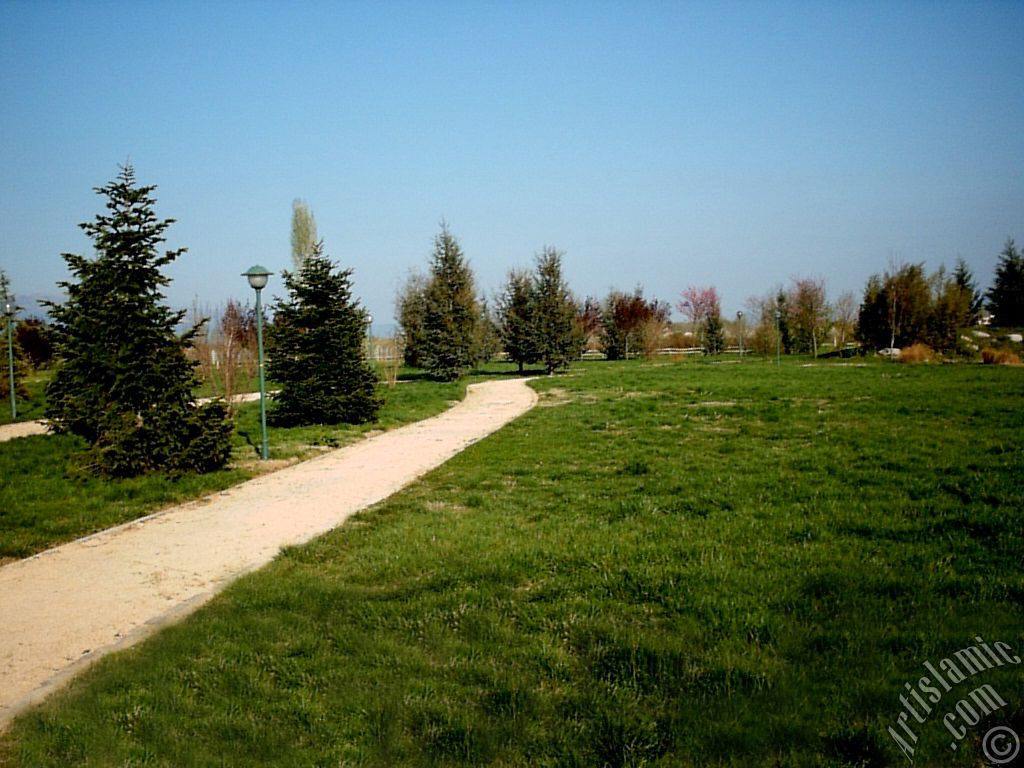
<point x="257" y="277"/>
<point x="9" y="308"/>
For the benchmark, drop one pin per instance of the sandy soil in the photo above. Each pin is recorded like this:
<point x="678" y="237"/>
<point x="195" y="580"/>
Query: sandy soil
<point x="22" y="429"/>
<point x="66" y="607"/>
<point x="26" y="428"/>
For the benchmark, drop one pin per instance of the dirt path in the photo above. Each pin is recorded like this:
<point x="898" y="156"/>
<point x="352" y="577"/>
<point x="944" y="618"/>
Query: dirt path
<point x="64" y="608"/>
<point x="21" y="429"/>
<point x="27" y="428"/>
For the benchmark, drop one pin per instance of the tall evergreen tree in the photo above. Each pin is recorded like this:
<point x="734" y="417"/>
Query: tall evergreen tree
<point x="316" y="349"/>
<point x="516" y="322"/>
<point x="1006" y="296"/>
<point x="451" y="311"/>
<point x="125" y="384"/>
<point x="558" y="336"/>
<point x="411" y="310"/>
<point x="964" y="279"/>
<point x="785" y="340"/>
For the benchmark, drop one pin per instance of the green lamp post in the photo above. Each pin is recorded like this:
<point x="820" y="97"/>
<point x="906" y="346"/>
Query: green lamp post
<point x="257" y="277"/>
<point x="9" y="310"/>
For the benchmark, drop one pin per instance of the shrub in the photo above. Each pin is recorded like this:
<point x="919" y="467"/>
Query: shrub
<point x="991" y="356"/>
<point x="916" y="353"/>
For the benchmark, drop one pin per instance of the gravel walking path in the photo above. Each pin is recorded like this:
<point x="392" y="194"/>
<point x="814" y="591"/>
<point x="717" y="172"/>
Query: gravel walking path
<point x="21" y="429"/>
<point x="64" y="608"/>
<point x="28" y="428"/>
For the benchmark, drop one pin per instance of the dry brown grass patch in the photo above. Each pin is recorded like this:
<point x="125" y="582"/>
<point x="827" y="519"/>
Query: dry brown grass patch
<point x="991" y="356"/>
<point x="916" y="353"/>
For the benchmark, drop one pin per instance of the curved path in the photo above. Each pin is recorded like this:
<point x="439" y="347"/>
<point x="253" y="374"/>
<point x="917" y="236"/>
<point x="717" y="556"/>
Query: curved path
<point x="66" y="607"/>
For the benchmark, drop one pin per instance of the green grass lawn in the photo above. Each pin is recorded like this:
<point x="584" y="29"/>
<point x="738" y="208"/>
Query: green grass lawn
<point x="44" y="501"/>
<point x="664" y="564"/>
<point x="32" y="407"/>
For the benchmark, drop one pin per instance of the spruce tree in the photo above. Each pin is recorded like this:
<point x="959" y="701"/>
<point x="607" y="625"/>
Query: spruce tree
<point x="316" y="349"/>
<point x="517" y="325"/>
<point x="559" y="340"/>
<point x="1006" y="296"/>
<point x="411" y="304"/>
<point x="451" y="311"/>
<point x="964" y="279"/>
<point x="124" y="383"/>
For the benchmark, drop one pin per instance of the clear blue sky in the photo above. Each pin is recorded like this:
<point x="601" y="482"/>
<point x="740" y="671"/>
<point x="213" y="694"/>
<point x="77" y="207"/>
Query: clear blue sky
<point x="661" y="144"/>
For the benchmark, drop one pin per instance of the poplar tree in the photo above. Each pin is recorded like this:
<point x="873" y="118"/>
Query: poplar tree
<point x="316" y="350"/>
<point x="124" y="383"/>
<point x="304" y="237"/>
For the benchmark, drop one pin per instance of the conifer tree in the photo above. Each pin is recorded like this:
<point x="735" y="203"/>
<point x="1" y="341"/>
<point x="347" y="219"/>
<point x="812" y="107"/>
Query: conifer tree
<point x="316" y="349"/>
<point x="124" y="383"/>
<point x="558" y="338"/>
<point x="451" y="311"/>
<point x="964" y="279"/>
<point x="517" y="325"/>
<point x="1006" y="296"/>
<point x="411" y="310"/>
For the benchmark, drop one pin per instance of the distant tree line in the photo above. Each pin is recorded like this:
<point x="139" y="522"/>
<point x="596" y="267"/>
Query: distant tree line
<point x="906" y="306"/>
<point x="126" y="375"/>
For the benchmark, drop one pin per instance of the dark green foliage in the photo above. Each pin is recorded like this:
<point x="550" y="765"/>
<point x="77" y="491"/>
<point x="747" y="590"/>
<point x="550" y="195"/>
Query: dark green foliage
<point x="558" y="334"/>
<point x="964" y="279"/>
<point x="714" y="335"/>
<point x="451" y="312"/>
<point x="896" y="308"/>
<point x="33" y="337"/>
<point x="539" y="319"/>
<point x="955" y="305"/>
<point x="1006" y="296"/>
<point x="125" y="384"/>
<point x="316" y="350"/>
<point x="516" y="319"/>
<point x="905" y="306"/>
<point x="782" y="321"/>
<point x="411" y="307"/>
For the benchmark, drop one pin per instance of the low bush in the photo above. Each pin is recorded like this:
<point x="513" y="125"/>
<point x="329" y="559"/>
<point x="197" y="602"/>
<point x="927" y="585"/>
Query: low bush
<point x="992" y="356"/>
<point x="916" y="353"/>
